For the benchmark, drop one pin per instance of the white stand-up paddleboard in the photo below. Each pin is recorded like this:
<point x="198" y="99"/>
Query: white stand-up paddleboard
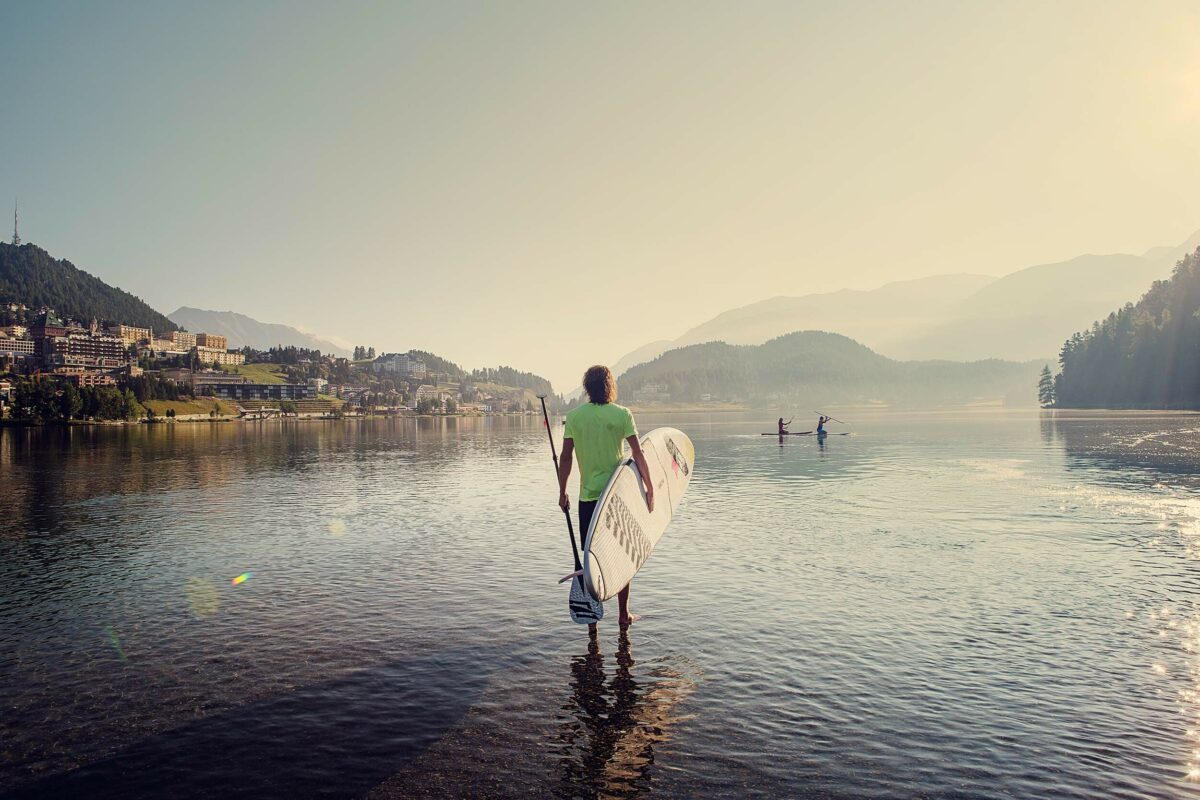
<point x="623" y="533"/>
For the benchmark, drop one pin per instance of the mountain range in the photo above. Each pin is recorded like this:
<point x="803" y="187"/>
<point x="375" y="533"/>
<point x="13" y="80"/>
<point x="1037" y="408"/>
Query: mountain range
<point x="819" y="368"/>
<point x="1022" y="316"/>
<point x="243" y="331"/>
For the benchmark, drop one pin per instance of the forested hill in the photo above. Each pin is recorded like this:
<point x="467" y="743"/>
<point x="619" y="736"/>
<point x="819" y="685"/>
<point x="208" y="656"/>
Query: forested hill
<point x="826" y="368"/>
<point x="507" y="376"/>
<point x="1143" y="356"/>
<point x="438" y="364"/>
<point x="30" y="275"/>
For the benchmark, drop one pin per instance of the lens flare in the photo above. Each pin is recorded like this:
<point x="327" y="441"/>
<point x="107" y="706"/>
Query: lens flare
<point x="337" y="527"/>
<point x="112" y="638"/>
<point x="240" y="579"/>
<point x="202" y="597"/>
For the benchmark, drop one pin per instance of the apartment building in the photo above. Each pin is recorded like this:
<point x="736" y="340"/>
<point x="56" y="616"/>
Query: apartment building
<point x="212" y="340"/>
<point x="219" y="356"/>
<point x="85" y="351"/>
<point x="131" y="334"/>
<point x="255" y="391"/>
<point x="182" y="340"/>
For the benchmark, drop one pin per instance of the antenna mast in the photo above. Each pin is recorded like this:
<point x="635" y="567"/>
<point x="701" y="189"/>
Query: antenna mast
<point x="16" y="237"/>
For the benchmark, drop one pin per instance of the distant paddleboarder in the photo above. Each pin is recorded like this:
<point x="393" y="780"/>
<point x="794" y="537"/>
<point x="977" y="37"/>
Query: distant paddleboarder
<point x="593" y="433"/>
<point x="821" y="425"/>
<point x="783" y="426"/>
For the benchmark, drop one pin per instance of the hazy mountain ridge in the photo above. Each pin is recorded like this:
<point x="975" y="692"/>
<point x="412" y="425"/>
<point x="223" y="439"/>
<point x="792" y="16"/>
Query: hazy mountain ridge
<point x="1029" y="313"/>
<point x="30" y="275"/>
<point x="1022" y="316"/>
<point x="242" y="331"/>
<point x="827" y="368"/>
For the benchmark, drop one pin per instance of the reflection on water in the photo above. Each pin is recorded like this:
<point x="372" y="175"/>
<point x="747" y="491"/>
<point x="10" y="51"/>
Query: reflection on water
<point x="944" y="605"/>
<point x="1144" y="445"/>
<point x="611" y="726"/>
<point x="336" y="738"/>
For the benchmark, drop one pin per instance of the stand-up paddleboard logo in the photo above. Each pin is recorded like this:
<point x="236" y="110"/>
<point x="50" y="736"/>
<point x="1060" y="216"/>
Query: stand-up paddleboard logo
<point x="619" y="520"/>
<point x="678" y="462"/>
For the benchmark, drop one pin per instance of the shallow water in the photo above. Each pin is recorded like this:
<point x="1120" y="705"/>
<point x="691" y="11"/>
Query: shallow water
<point x="942" y="605"/>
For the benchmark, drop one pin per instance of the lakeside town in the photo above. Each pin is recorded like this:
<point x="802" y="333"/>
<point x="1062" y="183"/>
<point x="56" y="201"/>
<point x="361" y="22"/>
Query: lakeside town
<point x="57" y="369"/>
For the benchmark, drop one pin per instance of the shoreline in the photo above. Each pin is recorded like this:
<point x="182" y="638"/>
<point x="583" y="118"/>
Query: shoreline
<point x="75" y="423"/>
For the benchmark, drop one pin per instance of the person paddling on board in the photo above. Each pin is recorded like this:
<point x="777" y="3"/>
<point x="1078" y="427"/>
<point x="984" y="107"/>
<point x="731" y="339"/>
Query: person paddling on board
<point x="594" y="434"/>
<point x="821" y="425"/>
<point x="783" y="426"/>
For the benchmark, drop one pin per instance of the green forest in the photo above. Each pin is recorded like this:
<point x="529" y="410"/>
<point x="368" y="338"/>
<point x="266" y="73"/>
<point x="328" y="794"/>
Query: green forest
<point x="31" y="276"/>
<point x="1146" y="355"/>
<point x="826" y="368"/>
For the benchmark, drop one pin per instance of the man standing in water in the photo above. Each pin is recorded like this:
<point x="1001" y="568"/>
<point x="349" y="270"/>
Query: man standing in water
<point x="594" y="434"/>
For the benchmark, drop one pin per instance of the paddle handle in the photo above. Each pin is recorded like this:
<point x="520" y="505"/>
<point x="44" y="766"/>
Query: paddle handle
<point x="554" y="457"/>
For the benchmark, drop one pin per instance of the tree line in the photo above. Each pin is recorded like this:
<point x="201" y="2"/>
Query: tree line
<point x="30" y="275"/>
<point x="1145" y="355"/>
<point x="39" y="399"/>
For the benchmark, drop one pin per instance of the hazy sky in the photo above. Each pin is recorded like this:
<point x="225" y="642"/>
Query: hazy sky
<point x="549" y="185"/>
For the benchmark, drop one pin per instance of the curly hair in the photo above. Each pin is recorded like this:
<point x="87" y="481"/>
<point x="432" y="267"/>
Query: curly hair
<point x="600" y="385"/>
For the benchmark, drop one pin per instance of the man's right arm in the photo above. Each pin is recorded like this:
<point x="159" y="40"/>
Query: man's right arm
<point x="564" y="471"/>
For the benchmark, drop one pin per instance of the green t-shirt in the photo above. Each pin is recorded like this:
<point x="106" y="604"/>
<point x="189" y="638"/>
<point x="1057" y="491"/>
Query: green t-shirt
<point x="599" y="433"/>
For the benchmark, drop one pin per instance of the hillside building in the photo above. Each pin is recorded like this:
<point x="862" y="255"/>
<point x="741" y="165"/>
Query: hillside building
<point x="400" y="364"/>
<point x="652" y="393"/>
<point x="16" y="347"/>
<point x="48" y="325"/>
<point x="131" y="334"/>
<point x="212" y="340"/>
<point x="182" y="340"/>
<point x="254" y="391"/>
<point x="86" y="351"/>
<point x="219" y="356"/>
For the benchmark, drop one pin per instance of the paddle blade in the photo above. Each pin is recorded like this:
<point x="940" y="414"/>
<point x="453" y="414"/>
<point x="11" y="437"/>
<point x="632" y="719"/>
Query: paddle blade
<point x="585" y="609"/>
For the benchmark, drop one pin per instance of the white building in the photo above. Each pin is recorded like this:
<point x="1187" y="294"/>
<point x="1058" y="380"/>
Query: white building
<point x="224" y="358"/>
<point x="652" y="393"/>
<point x="401" y="364"/>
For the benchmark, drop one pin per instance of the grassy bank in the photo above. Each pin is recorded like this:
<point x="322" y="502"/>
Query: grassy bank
<point x="260" y="373"/>
<point x="202" y="405"/>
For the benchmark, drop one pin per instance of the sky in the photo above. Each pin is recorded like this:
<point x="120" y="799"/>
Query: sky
<point x="550" y="185"/>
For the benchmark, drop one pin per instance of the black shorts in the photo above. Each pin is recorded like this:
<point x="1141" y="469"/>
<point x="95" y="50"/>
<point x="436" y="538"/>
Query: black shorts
<point x="586" y="509"/>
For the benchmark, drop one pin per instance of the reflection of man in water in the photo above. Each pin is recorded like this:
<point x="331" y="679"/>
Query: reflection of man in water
<point x="611" y="726"/>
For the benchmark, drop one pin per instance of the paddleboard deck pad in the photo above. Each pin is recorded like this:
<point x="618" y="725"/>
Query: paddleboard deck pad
<point x="623" y="533"/>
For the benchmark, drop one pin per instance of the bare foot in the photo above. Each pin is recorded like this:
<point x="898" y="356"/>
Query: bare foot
<point x="628" y="620"/>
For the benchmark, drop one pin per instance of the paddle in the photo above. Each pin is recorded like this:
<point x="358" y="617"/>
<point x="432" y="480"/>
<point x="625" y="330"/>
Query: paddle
<point x="831" y="419"/>
<point x="584" y="608"/>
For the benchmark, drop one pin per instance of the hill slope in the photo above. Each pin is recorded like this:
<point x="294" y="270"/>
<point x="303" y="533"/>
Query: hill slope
<point x="827" y="368"/>
<point x="30" y="275"/>
<point x="243" y="331"/>
<point x="1143" y="356"/>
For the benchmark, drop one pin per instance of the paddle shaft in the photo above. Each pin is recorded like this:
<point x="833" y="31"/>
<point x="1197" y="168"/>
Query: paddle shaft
<point x="831" y="419"/>
<point x="554" y="455"/>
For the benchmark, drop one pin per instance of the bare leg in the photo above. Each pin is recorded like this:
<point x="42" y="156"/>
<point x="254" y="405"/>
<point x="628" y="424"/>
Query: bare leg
<point x="624" y="617"/>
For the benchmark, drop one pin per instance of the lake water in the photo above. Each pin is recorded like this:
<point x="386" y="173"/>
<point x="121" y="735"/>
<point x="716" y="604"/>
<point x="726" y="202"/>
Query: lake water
<point x="975" y="605"/>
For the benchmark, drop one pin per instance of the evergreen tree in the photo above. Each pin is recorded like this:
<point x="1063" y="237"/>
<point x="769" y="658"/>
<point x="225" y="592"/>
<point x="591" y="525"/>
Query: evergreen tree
<point x="1046" y="387"/>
